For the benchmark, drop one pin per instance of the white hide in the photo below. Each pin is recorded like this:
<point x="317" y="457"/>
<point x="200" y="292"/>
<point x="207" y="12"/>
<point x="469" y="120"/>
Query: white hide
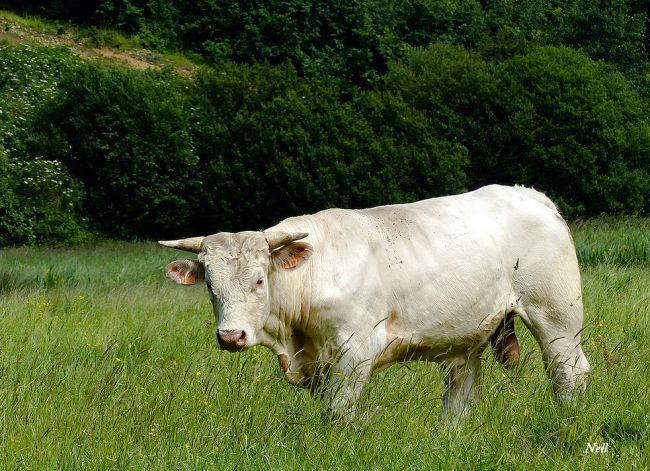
<point x="431" y="279"/>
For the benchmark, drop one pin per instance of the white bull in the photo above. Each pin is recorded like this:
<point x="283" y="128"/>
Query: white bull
<point x="342" y="293"/>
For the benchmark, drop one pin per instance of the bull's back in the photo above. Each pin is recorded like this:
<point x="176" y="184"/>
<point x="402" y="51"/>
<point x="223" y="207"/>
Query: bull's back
<point x="457" y="233"/>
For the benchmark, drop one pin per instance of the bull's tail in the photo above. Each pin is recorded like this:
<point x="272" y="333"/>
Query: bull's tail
<point x="538" y="196"/>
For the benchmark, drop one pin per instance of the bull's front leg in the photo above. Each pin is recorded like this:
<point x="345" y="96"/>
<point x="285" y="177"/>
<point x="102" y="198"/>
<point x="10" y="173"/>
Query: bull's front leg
<point x="347" y="378"/>
<point x="461" y="377"/>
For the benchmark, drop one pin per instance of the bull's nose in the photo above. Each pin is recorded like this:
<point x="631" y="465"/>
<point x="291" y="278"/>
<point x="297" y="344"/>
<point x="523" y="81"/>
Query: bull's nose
<point x="231" y="339"/>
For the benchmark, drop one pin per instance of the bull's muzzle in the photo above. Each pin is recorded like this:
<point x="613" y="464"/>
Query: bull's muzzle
<point x="231" y="340"/>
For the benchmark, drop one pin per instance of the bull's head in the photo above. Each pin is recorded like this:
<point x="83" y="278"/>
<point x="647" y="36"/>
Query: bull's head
<point x="236" y="269"/>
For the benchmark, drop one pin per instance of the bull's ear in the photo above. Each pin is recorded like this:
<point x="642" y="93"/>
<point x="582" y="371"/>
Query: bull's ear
<point x="185" y="272"/>
<point x="291" y="255"/>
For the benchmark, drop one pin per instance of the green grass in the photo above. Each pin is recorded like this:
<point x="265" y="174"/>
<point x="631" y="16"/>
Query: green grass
<point x="104" y="364"/>
<point x="91" y="36"/>
<point x="609" y="240"/>
<point x="102" y="37"/>
<point x="39" y="25"/>
<point x="36" y="30"/>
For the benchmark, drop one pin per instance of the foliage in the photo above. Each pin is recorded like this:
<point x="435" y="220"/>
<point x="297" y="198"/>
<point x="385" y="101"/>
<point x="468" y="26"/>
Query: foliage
<point x="356" y="39"/>
<point x="38" y="200"/>
<point x="12" y="221"/>
<point x="240" y="147"/>
<point x="28" y="76"/>
<point x="612" y="30"/>
<point x="312" y="104"/>
<point x="125" y="136"/>
<point x="576" y="130"/>
<point x="285" y="146"/>
<point x="455" y="88"/>
<point x="551" y="118"/>
<point x="37" y="204"/>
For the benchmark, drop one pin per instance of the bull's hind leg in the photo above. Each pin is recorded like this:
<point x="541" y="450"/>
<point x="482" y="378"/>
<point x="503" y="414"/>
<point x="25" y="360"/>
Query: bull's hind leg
<point x="558" y="333"/>
<point x="461" y="377"/>
<point x="548" y="283"/>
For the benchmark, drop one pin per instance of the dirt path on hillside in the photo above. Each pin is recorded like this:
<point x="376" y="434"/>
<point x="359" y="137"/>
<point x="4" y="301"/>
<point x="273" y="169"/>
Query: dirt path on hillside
<point x="140" y="59"/>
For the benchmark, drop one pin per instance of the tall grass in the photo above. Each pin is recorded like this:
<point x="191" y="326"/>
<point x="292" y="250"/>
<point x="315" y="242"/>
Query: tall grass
<point x="103" y="364"/>
<point x="610" y="240"/>
<point x="8" y="19"/>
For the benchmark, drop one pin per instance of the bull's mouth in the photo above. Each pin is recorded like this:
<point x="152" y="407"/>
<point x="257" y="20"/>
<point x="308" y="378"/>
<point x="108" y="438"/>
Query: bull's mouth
<point x="230" y="347"/>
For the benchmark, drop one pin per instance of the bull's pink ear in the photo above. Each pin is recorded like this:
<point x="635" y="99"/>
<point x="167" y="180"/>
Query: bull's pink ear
<point x="291" y="255"/>
<point x="185" y="272"/>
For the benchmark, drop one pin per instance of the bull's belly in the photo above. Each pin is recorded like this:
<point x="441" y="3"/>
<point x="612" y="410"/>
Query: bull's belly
<point x="434" y="337"/>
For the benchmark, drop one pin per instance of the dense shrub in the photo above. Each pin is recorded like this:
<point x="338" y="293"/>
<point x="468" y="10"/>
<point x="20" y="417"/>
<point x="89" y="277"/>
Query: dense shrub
<point x="125" y="136"/>
<point x="353" y="39"/>
<point x="574" y="128"/>
<point x="29" y="75"/>
<point x="280" y="146"/>
<point x="237" y="147"/>
<point x="551" y="118"/>
<point x="613" y="30"/>
<point x="38" y="200"/>
<point x="455" y="88"/>
<point x="13" y="224"/>
<point x="37" y="204"/>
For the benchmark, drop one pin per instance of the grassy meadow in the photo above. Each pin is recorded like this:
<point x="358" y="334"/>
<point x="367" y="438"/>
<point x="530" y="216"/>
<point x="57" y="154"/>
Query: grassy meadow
<point x="105" y="364"/>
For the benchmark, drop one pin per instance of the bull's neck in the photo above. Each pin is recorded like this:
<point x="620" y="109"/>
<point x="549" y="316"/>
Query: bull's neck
<point x="290" y="300"/>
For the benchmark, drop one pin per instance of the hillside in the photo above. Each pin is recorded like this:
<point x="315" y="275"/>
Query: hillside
<point x="145" y="143"/>
<point x="17" y="30"/>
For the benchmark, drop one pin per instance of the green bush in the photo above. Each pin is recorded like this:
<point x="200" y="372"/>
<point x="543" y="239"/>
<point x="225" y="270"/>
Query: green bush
<point x="29" y="75"/>
<point x="126" y="153"/>
<point x="37" y="204"/>
<point x="124" y="135"/>
<point x="38" y="200"/>
<point x="352" y="39"/>
<point x="356" y="39"/>
<point x="273" y="145"/>
<point x="14" y="229"/>
<point x="551" y="118"/>
<point x="573" y="128"/>
<point x="237" y="147"/>
<point x="455" y="88"/>
<point x="612" y="30"/>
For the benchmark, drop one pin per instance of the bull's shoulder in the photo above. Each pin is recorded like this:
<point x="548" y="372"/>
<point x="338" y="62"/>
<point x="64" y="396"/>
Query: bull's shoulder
<point x="317" y="222"/>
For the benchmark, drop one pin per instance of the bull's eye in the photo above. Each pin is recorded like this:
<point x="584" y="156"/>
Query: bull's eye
<point x="260" y="282"/>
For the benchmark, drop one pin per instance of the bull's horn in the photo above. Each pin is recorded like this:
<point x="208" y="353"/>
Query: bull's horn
<point x="277" y="239"/>
<point x="193" y="244"/>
